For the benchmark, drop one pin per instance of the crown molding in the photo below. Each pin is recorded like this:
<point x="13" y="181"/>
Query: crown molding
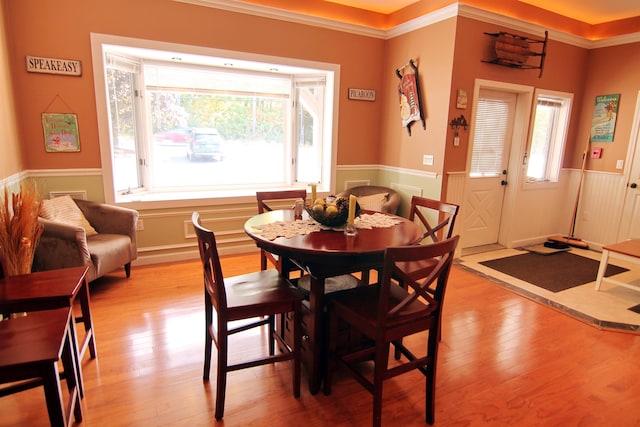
<point x="617" y="40"/>
<point x="524" y="26"/>
<point x="431" y="18"/>
<point x="447" y="12"/>
<point x="285" y="15"/>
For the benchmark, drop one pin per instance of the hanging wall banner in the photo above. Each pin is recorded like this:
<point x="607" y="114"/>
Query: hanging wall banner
<point x="605" y="113"/>
<point x="409" y="93"/>
<point x="60" y="132"/>
<point x="67" y="67"/>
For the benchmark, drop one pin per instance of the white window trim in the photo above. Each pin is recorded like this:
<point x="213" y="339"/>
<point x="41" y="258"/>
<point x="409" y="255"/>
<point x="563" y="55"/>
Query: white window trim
<point x="544" y="184"/>
<point x="97" y="40"/>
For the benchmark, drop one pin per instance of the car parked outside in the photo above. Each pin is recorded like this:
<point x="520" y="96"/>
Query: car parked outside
<point x="177" y="135"/>
<point x="206" y="143"/>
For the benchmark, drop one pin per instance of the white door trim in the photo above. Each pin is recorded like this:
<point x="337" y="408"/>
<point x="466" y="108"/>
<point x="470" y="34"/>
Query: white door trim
<point x="518" y="147"/>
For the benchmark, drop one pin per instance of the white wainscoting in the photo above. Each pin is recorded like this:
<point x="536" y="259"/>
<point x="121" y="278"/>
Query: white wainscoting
<point x="600" y="208"/>
<point x="599" y="211"/>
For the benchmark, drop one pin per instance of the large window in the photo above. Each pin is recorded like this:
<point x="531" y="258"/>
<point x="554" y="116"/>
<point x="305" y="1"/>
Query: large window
<point x="185" y="125"/>
<point x="548" y="135"/>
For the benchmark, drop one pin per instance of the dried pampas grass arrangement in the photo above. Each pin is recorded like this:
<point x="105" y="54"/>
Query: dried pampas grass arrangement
<point x="19" y="229"/>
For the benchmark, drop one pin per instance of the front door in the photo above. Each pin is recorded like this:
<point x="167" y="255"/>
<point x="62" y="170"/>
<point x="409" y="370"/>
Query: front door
<point x="630" y="223"/>
<point x="488" y="173"/>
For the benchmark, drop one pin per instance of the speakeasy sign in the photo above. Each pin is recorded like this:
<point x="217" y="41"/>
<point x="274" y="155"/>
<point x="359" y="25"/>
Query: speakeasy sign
<point x="67" y="67"/>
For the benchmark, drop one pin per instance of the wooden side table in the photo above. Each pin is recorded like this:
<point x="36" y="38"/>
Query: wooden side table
<point x="30" y="348"/>
<point x="52" y="289"/>
<point x="629" y="250"/>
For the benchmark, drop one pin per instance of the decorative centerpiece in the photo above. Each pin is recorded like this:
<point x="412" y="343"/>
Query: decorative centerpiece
<point x="331" y="211"/>
<point x="19" y="229"/>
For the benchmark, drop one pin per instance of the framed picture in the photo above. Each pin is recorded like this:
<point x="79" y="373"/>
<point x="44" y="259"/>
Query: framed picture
<point x="60" y="132"/>
<point x="461" y="99"/>
<point x="605" y="113"/>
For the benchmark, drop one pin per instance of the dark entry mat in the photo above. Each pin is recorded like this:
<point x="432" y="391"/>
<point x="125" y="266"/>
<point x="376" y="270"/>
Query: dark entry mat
<point x="554" y="273"/>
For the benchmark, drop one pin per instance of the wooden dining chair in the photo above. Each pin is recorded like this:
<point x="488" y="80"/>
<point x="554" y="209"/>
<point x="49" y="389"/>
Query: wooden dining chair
<point x="437" y="219"/>
<point x="267" y="201"/>
<point x="258" y="296"/>
<point x="387" y="313"/>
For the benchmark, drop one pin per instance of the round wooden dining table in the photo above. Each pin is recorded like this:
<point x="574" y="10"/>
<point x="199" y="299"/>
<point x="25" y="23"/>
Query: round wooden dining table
<point x="323" y="254"/>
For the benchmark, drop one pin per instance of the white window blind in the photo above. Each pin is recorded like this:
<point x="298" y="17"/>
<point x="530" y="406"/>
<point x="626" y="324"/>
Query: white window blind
<point x="492" y="121"/>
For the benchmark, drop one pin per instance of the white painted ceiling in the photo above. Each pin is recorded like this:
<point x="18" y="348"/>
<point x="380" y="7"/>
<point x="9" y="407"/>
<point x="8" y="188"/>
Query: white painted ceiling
<point x="589" y="11"/>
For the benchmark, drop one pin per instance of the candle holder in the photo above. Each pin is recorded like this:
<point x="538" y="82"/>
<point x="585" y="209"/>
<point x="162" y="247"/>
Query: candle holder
<point x="350" y="230"/>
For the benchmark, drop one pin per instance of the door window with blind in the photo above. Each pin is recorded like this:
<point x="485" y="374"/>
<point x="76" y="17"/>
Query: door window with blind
<point x="548" y="136"/>
<point x="494" y="121"/>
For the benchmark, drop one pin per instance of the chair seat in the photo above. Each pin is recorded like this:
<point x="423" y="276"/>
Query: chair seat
<point x="331" y="284"/>
<point x="360" y="307"/>
<point x="261" y="293"/>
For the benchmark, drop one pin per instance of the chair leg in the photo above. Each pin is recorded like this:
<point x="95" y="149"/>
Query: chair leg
<point x="72" y="376"/>
<point x="222" y="371"/>
<point x="53" y="395"/>
<point x="263" y="261"/>
<point x="272" y="332"/>
<point x="127" y="269"/>
<point x="208" y="343"/>
<point x="430" y="391"/>
<point x="297" y="343"/>
<point x="396" y="351"/>
<point x="382" y="357"/>
<point x="208" y="339"/>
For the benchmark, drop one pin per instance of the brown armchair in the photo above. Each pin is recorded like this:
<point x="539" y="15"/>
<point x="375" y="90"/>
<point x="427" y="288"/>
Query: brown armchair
<point x="114" y="245"/>
<point x="375" y="198"/>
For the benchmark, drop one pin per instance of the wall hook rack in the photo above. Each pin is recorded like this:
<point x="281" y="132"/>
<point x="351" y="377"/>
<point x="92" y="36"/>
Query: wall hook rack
<point x="459" y="122"/>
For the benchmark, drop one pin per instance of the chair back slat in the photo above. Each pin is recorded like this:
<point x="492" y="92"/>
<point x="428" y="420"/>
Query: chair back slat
<point x="212" y="272"/>
<point x="429" y="289"/>
<point x="279" y="197"/>
<point x="437" y="218"/>
<point x="285" y="195"/>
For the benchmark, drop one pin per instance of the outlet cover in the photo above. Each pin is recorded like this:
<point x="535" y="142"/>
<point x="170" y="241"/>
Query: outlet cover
<point x="427" y="159"/>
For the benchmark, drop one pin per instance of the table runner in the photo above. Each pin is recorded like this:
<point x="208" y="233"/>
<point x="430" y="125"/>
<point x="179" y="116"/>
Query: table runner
<point x="290" y="229"/>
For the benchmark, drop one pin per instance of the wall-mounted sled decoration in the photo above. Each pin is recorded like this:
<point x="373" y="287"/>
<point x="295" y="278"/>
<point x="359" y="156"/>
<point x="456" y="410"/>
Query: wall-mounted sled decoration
<point x="515" y="51"/>
<point x="410" y="98"/>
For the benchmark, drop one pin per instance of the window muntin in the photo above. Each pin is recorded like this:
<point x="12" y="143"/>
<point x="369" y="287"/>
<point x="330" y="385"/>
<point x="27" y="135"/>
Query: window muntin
<point x="548" y="136"/>
<point x="275" y="126"/>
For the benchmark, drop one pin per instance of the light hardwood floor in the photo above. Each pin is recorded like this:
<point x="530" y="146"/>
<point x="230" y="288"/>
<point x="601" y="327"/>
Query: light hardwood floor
<point x="503" y="361"/>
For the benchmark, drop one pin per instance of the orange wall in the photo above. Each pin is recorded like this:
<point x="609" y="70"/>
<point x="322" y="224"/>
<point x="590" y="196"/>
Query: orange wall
<point x="432" y="49"/>
<point x="611" y="70"/>
<point x="449" y="56"/>
<point x="565" y="70"/>
<point x="61" y="29"/>
<point x="10" y="161"/>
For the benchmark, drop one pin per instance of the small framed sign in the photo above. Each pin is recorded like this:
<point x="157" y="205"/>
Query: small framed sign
<point x="605" y="113"/>
<point x="362" y="94"/>
<point x="60" y="132"/>
<point x="67" y="67"/>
